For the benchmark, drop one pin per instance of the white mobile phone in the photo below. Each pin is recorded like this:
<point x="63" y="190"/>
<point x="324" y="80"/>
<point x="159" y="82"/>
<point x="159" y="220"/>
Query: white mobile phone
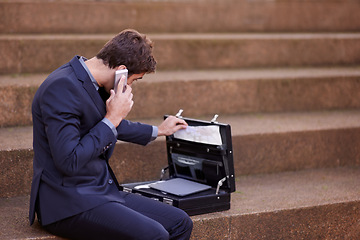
<point x="118" y="75"/>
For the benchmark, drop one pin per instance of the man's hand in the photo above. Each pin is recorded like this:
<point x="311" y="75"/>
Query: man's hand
<point x="171" y="125"/>
<point x="119" y="104"/>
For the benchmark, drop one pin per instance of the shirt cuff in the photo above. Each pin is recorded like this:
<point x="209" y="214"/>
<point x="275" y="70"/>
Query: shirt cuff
<point x="110" y="125"/>
<point x="154" y="134"/>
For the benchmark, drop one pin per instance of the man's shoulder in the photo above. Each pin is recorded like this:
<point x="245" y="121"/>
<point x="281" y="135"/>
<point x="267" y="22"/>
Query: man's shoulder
<point x="64" y="73"/>
<point x="68" y="70"/>
<point x="62" y="78"/>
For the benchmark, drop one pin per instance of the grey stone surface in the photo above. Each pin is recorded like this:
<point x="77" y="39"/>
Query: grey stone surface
<point x="27" y="16"/>
<point x="44" y="53"/>
<point x="262" y="143"/>
<point x="322" y="203"/>
<point x="201" y="92"/>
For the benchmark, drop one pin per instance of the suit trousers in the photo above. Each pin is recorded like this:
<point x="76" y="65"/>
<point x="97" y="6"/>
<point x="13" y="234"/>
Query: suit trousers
<point x="138" y="218"/>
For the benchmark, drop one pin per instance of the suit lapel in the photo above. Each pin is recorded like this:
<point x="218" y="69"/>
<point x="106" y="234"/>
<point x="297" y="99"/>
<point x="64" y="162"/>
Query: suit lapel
<point x="88" y="85"/>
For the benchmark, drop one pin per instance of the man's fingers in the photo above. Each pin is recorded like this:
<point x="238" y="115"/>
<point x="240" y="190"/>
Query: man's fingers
<point x="171" y="125"/>
<point x="178" y="121"/>
<point x="181" y="123"/>
<point x="128" y="91"/>
<point x="180" y="126"/>
<point x="120" y="86"/>
<point x="112" y="95"/>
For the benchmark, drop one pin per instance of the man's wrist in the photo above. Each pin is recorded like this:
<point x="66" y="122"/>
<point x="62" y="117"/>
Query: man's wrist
<point x="154" y="134"/>
<point x="114" y="121"/>
<point x="110" y="125"/>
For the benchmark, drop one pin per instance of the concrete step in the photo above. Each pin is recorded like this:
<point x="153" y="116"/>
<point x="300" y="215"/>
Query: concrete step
<point x="307" y="204"/>
<point x="86" y="16"/>
<point x="212" y="91"/>
<point x="44" y="53"/>
<point x="262" y="143"/>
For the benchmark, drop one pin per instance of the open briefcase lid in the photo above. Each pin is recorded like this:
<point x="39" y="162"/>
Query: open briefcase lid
<point x="202" y="153"/>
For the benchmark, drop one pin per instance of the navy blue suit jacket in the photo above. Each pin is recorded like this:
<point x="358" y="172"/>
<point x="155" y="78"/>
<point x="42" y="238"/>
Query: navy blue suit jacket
<point x="72" y="146"/>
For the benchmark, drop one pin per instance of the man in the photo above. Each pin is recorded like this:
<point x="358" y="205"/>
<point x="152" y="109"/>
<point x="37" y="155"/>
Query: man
<point x="77" y="118"/>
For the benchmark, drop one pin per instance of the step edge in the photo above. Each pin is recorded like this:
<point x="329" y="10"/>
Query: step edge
<point x="262" y="124"/>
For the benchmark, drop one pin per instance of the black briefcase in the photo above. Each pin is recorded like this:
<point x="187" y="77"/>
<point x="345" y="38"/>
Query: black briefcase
<point x="200" y="171"/>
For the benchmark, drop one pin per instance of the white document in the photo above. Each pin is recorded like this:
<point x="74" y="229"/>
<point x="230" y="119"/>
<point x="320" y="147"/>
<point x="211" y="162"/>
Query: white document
<point x="200" y="134"/>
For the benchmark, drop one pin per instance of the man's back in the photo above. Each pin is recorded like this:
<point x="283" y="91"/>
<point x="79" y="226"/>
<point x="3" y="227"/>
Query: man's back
<point x="68" y="135"/>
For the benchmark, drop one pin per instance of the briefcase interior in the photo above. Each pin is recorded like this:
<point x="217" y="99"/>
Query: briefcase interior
<point x="205" y="163"/>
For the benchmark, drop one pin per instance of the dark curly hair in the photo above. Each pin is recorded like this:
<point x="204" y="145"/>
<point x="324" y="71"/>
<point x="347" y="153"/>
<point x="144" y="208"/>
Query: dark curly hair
<point x="129" y="48"/>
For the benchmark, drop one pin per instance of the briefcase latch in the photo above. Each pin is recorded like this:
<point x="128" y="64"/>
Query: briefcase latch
<point x="168" y="201"/>
<point x="178" y="115"/>
<point x="214" y="118"/>
<point x="220" y="183"/>
<point x="163" y="171"/>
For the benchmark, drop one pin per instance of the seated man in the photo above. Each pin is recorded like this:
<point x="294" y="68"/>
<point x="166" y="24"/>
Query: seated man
<point x="77" y="119"/>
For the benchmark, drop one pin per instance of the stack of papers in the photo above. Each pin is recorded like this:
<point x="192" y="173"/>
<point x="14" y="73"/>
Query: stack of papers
<point x="200" y="134"/>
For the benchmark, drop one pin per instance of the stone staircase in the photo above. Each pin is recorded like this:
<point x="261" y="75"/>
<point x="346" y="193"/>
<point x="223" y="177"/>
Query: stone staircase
<point x="285" y="74"/>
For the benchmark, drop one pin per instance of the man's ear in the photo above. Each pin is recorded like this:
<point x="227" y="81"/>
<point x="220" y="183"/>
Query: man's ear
<point x="121" y="67"/>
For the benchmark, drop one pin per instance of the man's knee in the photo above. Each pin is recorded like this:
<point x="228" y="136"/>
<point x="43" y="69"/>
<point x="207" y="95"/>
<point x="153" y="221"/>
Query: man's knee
<point x="187" y="222"/>
<point x="183" y="228"/>
<point x="188" y="225"/>
<point x="158" y="233"/>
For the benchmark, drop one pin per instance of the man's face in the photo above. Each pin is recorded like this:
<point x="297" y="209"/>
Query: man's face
<point x="134" y="77"/>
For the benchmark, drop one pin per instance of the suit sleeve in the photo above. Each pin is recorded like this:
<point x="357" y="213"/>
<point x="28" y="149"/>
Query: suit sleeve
<point x="134" y="132"/>
<point x="62" y="115"/>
